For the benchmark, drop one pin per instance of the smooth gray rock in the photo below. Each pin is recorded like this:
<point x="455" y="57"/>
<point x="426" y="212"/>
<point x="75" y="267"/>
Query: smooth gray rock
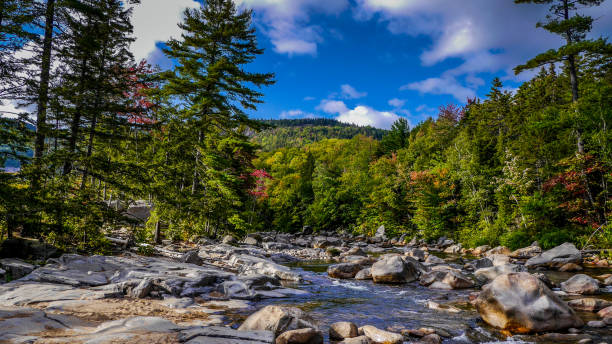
<point x="364" y="274"/>
<point x="521" y="303"/>
<point x="447" y="280"/>
<point x="16" y="267"/>
<point x="278" y="320"/>
<point x="489" y="274"/>
<point x="581" y="284"/>
<point x="143" y="289"/>
<point x="300" y="336"/>
<point x="526" y="252"/>
<point x="248" y="264"/>
<point x="342" y="330"/>
<point x="393" y="269"/>
<point x="223" y="335"/>
<point x="381" y="336"/>
<point x="556" y="257"/>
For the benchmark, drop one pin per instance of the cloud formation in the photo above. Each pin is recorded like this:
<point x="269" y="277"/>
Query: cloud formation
<point x="444" y="85"/>
<point x="297" y="113"/>
<point x="349" y="92"/>
<point x="287" y="22"/>
<point x="157" y="21"/>
<point x="361" y="115"/>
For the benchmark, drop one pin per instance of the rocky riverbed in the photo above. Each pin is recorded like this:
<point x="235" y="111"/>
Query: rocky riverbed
<point x="283" y="288"/>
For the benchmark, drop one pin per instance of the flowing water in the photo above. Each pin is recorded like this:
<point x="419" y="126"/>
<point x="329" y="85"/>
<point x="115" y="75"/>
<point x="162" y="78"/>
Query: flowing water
<point x="396" y="307"/>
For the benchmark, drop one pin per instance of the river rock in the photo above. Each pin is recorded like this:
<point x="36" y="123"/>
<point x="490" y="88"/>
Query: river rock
<point x="498" y="250"/>
<point x="301" y="336"/>
<point x="250" y="241"/>
<point x="489" y="274"/>
<point x="393" y="269"/>
<point x="143" y="289"/>
<point x="581" y="284"/>
<point x="416" y="254"/>
<point x="248" y="264"/>
<point x="556" y="257"/>
<point x="356" y="251"/>
<point x="480" y="250"/>
<point x="278" y="320"/>
<point x="445" y="280"/>
<point x="570" y="267"/>
<point x="229" y="240"/>
<point x="596" y="324"/>
<point x="526" y="252"/>
<point x="224" y="335"/>
<point x="521" y="303"/>
<point x="356" y="340"/>
<point x="16" y="267"/>
<point x="380" y="232"/>
<point x="380" y="336"/>
<point x="344" y="270"/>
<point x="499" y="259"/>
<point x="431" y="339"/>
<point x="191" y="257"/>
<point x="482" y="263"/>
<point x="342" y="330"/>
<point x="605" y="313"/>
<point x="608" y="281"/>
<point x="364" y="274"/>
<point x="589" y="304"/>
<point x="453" y="249"/>
<point x="433" y="260"/>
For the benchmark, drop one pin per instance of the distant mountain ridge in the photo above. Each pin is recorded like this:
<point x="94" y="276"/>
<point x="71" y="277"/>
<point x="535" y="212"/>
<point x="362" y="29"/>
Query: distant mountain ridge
<point x="299" y="132"/>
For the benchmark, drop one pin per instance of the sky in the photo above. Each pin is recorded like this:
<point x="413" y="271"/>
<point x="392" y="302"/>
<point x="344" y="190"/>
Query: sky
<point x="369" y="62"/>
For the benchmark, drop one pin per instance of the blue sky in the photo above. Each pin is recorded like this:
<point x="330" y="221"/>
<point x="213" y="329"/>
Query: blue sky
<point x="370" y="61"/>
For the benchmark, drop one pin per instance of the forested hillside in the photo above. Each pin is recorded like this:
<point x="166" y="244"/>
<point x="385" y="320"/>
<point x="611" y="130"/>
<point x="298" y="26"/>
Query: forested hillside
<point x="299" y="132"/>
<point x="502" y="170"/>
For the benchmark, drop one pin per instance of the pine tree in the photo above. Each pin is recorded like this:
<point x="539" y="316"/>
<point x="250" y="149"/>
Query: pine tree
<point x="205" y="141"/>
<point x="573" y="27"/>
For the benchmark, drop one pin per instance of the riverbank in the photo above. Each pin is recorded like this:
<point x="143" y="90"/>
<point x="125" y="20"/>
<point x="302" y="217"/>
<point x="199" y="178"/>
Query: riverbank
<point x="407" y="291"/>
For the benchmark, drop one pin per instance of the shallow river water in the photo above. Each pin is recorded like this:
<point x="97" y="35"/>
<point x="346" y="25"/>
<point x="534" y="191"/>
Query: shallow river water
<point x="396" y="307"/>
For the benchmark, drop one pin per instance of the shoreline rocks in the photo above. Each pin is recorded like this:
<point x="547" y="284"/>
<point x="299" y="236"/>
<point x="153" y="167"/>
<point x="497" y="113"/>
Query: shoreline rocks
<point x="521" y="303"/>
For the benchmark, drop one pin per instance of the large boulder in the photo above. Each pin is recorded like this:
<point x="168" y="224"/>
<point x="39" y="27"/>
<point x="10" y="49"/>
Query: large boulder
<point x="480" y="250"/>
<point x="581" y="284"/>
<point x="556" y="257"/>
<point x="394" y="269"/>
<point x="448" y="280"/>
<point x="521" y="303"/>
<point x="364" y="274"/>
<point x="453" y="249"/>
<point x="380" y="232"/>
<point x="498" y="250"/>
<point x="278" y="320"/>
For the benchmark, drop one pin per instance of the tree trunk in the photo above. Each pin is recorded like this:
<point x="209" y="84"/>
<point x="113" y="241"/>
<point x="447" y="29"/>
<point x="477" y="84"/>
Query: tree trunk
<point x="572" y="69"/>
<point x="157" y="236"/>
<point x="43" y="89"/>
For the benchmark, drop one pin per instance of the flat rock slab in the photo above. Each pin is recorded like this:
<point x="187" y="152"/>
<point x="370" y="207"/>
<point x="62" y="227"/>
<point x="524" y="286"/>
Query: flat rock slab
<point x="19" y="293"/>
<point x="216" y="334"/>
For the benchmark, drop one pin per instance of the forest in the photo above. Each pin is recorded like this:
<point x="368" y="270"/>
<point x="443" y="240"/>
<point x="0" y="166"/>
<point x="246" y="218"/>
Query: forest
<point x="105" y="130"/>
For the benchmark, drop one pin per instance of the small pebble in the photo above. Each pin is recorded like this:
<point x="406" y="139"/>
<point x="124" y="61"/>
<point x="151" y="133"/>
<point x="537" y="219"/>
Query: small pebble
<point x="596" y="324"/>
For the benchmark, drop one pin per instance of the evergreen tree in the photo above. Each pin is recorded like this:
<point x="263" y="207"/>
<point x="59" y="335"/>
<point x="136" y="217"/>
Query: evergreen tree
<point x="573" y="27"/>
<point x="205" y="137"/>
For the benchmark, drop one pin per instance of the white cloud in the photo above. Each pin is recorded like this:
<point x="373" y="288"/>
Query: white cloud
<point x="309" y="98"/>
<point x="296" y="114"/>
<point x="349" y="92"/>
<point x="286" y="22"/>
<point x="445" y="85"/>
<point x="365" y="115"/>
<point x="361" y="115"/>
<point x="397" y="103"/>
<point x="332" y="106"/>
<point x="156" y="21"/>
<point x="489" y="36"/>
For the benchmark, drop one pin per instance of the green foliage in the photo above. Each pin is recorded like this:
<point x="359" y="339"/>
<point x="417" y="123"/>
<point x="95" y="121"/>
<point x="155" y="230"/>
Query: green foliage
<point x="300" y="132"/>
